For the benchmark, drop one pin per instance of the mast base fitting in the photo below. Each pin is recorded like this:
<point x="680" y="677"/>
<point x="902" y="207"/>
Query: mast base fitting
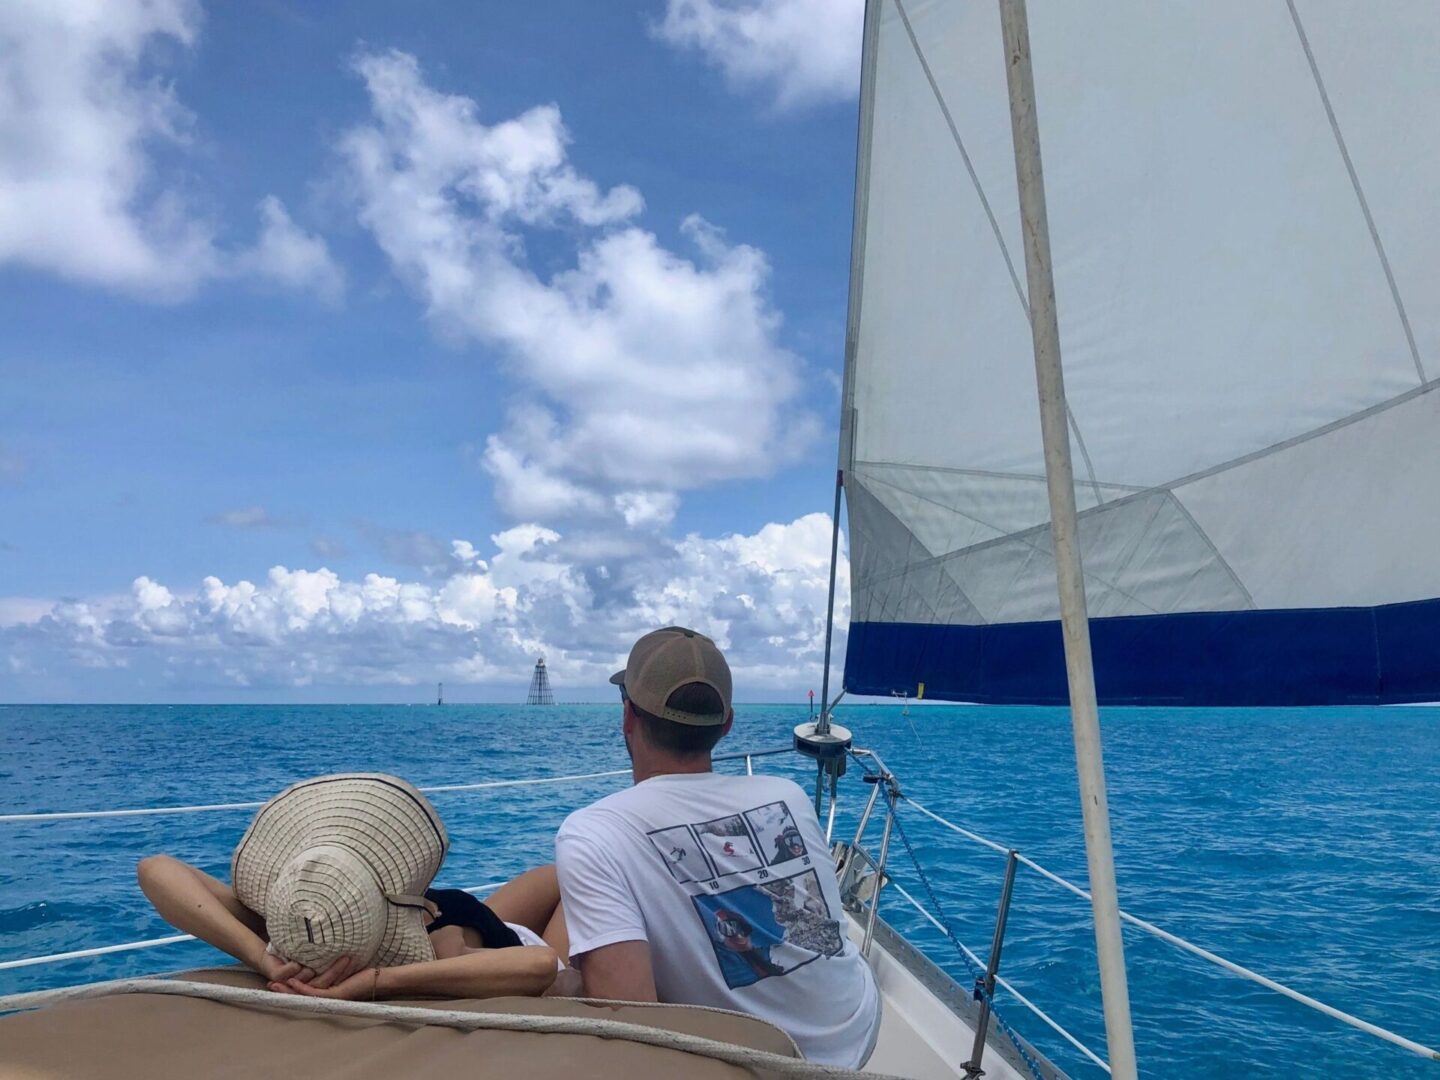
<point x="830" y="746"/>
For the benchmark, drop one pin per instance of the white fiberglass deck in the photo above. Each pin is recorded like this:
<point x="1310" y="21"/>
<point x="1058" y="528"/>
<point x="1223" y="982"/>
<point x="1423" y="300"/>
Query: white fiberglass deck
<point x="920" y="1037"/>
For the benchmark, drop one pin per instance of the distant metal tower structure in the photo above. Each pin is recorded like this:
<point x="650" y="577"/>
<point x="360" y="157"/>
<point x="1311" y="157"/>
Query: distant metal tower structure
<point x="540" y="686"/>
<point x="440" y="693"/>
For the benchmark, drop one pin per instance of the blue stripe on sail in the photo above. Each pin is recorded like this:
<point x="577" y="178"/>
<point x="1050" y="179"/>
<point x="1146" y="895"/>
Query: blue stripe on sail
<point x="1315" y="656"/>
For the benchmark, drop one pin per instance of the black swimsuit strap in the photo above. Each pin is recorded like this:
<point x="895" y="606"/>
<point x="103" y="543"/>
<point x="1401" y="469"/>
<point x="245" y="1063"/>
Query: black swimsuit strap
<point x="459" y="908"/>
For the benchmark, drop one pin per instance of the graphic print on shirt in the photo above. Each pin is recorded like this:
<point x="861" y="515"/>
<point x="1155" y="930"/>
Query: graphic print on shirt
<point x="727" y="842"/>
<point x="682" y="854"/>
<point x="768" y="929"/>
<point x="776" y="919"/>
<point x="775" y="829"/>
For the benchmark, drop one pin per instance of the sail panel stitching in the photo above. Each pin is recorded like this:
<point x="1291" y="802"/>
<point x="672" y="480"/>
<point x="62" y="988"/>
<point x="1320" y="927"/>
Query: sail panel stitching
<point x="965" y="157"/>
<point x="1224" y="563"/>
<point x="1359" y="191"/>
<point x="1025" y="536"/>
<point x="994" y="223"/>
<point x="1136" y="490"/>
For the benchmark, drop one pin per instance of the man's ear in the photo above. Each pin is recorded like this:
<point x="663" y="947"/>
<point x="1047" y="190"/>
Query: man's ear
<point x="627" y="719"/>
<point x="729" y="722"/>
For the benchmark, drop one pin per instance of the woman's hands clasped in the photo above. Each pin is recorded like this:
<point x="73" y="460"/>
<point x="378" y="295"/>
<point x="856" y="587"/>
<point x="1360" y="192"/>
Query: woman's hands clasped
<point x="343" y="980"/>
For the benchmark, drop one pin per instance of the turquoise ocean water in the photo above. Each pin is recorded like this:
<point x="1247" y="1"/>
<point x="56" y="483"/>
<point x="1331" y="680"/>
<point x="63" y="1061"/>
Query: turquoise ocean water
<point x="1302" y="843"/>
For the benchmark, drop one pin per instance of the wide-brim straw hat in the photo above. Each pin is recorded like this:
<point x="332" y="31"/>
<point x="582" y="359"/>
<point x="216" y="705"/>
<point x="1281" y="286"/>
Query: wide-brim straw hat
<point x="339" y="865"/>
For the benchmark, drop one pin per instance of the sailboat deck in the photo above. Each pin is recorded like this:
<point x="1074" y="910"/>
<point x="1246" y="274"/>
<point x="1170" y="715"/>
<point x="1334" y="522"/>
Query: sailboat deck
<point x="926" y="1031"/>
<point x="142" y="1036"/>
<point x="927" y="1027"/>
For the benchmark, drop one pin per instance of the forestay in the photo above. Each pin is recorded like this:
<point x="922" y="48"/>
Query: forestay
<point x="1245" y="235"/>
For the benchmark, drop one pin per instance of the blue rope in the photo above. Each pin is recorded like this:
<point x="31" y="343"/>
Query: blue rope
<point x="976" y="973"/>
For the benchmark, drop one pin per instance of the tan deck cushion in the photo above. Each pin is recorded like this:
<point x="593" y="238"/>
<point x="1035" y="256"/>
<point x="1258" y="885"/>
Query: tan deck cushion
<point x="147" y="1036"/>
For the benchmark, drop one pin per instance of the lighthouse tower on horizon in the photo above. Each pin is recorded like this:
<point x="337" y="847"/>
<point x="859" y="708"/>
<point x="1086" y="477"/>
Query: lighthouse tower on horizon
<point x="540" y="686"/>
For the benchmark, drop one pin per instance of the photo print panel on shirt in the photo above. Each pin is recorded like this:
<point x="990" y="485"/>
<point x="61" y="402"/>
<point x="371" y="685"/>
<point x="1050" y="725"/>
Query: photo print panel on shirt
<point x="729" y="846"/>
<point x="770" y="928"/>
<point x="682" y="853"/>
<point x="776" y="832"/>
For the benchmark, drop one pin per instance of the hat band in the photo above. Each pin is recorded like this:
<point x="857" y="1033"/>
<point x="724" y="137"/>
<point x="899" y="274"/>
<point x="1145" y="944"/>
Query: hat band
<point x="407" y="900"/>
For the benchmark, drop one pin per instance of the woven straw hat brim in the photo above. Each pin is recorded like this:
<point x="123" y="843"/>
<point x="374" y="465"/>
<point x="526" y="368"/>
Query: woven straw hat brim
<point x="384" y="821"/>
<point x="406" y="940"/>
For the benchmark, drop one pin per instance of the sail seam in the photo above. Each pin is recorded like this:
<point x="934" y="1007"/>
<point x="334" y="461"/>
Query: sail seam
<point x="994" y="223"/>
<point x="902" y="573"/>
<point x="1137" y="490"/>
<point x="965" y="157"/>
<point x="999" y="532"/>
<point x="1359" y="191"/>
<point x="1024" y="536"/>
<point x="1234" y="577"/>
<point x="1038" y="478"/>
<point x="1296" y="440"/>
<point x="1170" y="487"/>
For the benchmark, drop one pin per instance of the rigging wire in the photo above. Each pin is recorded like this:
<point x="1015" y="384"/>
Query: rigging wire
<point x="1205" y="954"/>
<point x="151" y="811"/>
<point x="976" y="970"/>
<point x="1141" y="924"/>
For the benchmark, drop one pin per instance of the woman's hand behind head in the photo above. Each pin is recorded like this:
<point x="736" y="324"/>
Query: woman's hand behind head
<point x="359" y="986"/>
<point x="277" y="969"/>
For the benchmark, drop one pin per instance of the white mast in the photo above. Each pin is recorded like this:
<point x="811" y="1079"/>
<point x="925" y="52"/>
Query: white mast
<point x="1055" y="429"/>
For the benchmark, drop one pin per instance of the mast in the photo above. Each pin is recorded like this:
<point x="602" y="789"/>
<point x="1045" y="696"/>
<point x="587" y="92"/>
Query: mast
<point x="1059" y="476"/>
<point x="822" y="726"/>
<point x="440" y="693"/>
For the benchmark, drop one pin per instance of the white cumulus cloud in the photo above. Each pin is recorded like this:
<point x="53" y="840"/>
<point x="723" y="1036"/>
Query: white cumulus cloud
<point x="802" y="52"/>
<point x="642" y="369"/>
<point x="288" y="256"/>
<point x="248" y="517"/>
<point x="85" y="113"/>
<point x="531" y="592"/>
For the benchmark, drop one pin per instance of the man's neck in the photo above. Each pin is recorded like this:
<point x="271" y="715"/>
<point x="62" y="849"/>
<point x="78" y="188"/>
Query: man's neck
<point x="646" y="768"/>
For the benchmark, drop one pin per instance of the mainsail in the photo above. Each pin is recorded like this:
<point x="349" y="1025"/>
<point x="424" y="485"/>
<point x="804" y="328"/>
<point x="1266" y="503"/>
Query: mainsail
<point x="1246" y="241"/>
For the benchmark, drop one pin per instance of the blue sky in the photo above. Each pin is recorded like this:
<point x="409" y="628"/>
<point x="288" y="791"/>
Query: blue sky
<point x="349" y="352"/>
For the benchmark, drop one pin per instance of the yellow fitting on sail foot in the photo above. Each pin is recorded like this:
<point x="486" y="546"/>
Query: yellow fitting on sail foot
<point x="920" y="692"/>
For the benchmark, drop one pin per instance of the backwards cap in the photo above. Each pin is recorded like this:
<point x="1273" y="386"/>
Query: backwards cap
<point x="663" y="661"/>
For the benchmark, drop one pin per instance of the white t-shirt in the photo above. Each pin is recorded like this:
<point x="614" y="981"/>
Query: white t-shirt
<point x="730" y="881"/>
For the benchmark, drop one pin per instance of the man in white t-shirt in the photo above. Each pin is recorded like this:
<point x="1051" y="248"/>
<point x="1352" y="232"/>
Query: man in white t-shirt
<point x="704" y="889"/>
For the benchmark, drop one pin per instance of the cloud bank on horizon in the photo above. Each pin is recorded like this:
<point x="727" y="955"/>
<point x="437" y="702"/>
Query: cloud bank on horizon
<point x="634" y="374"/>
<point x="472" y="620"/>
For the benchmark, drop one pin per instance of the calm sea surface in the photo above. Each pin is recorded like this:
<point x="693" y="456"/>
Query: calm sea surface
<point x="1302" y="843"/>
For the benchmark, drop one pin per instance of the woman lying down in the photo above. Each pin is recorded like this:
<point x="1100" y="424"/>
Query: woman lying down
<point x="330" y="897"/>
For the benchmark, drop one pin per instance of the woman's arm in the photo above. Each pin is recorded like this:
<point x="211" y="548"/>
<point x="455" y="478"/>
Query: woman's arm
<point x="479" y="973"/>
<point x="193" y="901"/>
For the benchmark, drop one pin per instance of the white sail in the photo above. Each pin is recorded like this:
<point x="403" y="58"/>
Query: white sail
<point x="1246" y="236"/>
